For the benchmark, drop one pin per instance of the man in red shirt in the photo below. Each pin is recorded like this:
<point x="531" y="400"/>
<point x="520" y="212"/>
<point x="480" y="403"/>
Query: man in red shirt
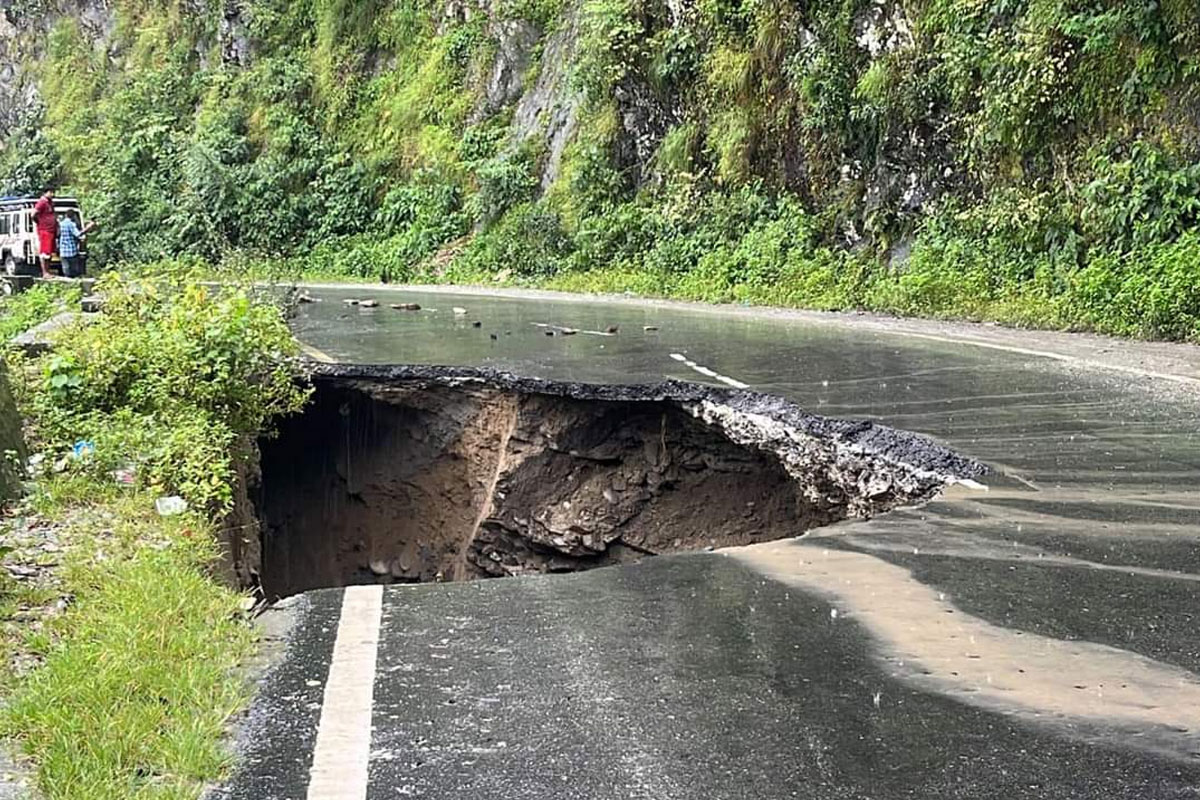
<point x="47" y="228"/>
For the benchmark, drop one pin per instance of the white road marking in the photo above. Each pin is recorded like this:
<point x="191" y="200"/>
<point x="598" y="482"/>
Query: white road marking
<point x="703" y="370"/>
<point x="342" y="752"/>
<point x="562" y="328"/>
<point x="1187" y="380"/>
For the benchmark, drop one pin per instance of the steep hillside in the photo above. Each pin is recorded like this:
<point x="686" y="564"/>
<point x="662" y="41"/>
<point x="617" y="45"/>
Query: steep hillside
<point x="1034" y="161"/>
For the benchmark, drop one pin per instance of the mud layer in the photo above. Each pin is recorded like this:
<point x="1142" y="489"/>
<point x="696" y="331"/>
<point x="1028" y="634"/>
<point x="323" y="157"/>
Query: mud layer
<point x="930" y="643"/>
<point x="408" y="474"/>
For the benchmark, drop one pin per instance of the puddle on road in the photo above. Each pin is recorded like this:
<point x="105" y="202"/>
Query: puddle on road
<point x="929" y="643"/>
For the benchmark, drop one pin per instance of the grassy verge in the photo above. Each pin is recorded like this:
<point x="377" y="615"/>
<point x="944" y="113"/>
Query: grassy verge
<point x="137" y="679"/>
<point x="123" y="647"/>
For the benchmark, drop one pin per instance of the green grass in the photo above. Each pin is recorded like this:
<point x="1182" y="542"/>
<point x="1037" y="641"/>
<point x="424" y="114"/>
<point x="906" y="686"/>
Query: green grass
<point x="140" y="676"/>
<point x="34" y="306"/>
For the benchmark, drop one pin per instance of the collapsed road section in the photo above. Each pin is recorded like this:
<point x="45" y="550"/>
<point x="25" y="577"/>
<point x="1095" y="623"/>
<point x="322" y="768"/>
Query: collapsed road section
<point x="404" y="474"/>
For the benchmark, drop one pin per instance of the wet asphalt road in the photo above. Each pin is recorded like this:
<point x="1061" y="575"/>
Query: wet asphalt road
<point x="1038" y="639"/>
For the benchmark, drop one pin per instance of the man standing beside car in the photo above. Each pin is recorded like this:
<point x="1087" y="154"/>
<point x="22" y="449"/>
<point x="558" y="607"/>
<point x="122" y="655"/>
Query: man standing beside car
<point x="47" y="229"/>
<point x="70" y="241"/>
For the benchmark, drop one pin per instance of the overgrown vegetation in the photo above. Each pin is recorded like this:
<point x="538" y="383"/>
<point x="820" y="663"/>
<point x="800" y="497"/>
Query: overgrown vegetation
<point x="1034" y="161"/>
<point x="23" y="311"/>
<point x="136" y="676"/>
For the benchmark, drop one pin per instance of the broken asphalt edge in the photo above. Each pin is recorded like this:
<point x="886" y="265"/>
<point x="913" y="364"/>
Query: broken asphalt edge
<point x="914" y="451"/>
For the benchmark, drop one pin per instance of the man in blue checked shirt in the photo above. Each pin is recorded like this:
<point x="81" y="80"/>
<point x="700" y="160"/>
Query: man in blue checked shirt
<point x="70" y="239"/>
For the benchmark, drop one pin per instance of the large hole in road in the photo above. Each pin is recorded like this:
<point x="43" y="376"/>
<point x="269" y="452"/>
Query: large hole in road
<point x="408" y="474"/>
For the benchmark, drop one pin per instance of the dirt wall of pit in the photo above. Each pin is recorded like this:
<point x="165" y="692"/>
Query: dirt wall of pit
<point x="411" y="474"/>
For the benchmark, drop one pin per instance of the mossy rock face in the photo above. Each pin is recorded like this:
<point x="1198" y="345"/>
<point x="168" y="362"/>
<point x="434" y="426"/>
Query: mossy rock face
<point x="12" y="442"/>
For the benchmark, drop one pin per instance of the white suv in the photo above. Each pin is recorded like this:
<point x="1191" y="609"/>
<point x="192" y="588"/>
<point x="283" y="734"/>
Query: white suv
<point x="18" y="234"/>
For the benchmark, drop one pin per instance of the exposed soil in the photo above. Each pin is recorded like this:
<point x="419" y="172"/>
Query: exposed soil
<point x="423" y="474"/>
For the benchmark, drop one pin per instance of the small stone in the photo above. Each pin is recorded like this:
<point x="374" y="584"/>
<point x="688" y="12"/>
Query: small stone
<point x="406" y="306"/>
<point x="350" y="302"/>
<point x="569" y="331"/>
<point x="379" y="567"/>
<point x="493" y="337"/>
<point x="649" y="328"/>
<point x="549" y="333"/>
<point x="459" y="311"/>
<point x="476" y="324"/>
<point x="368" y="303"/>
<point x="612" y="329"/>
<point x="304" y="297"/>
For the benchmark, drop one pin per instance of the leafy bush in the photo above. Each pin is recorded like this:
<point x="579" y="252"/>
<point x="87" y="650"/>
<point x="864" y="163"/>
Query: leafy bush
<point x="504" y="182"/>
<point x="1152" y="292"/>
<point x="168" y="378"/>
<point x="529" y="241"/>
<point x="1140" y="199"/>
